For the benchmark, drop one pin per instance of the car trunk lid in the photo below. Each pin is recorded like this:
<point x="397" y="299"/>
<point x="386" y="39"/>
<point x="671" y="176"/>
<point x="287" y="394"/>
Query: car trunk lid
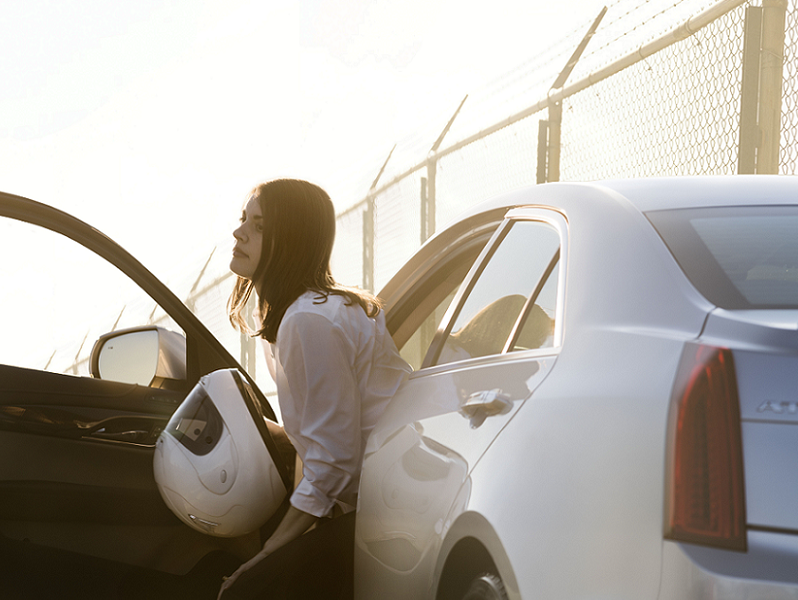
<point x="765" y="349"/>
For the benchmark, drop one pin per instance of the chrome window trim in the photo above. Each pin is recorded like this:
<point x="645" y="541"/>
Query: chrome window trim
<point x="557" y="220"/>
<point x="503" y="358"/>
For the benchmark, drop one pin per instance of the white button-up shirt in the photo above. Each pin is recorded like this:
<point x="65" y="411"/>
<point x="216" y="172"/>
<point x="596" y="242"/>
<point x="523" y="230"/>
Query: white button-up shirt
<point x="335" y="369"/>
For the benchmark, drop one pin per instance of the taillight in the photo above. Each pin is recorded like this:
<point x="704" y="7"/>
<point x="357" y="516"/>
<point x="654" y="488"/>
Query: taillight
<point x="707" y="501"/>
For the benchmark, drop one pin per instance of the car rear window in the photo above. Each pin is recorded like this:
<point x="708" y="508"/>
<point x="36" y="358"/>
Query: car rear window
<point x="741" y="257"/>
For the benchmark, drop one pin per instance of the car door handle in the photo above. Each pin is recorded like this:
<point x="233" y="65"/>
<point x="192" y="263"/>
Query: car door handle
<point x="481" y="405"/>
<point x="138" y="430"/>
<point x="132" y="436"/>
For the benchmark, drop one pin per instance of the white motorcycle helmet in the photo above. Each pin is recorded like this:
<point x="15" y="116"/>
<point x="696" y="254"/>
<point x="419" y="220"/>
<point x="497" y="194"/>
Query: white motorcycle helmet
<point x="212" y="465"/>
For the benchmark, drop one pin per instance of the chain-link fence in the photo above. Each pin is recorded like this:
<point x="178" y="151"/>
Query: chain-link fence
<point x="674" y="113"/>
<point x="665" y="88"/>
<point x="788" y="162"/>
<point x="662" y="94"/>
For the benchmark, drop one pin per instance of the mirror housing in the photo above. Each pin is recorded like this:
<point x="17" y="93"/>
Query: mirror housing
<point x="150" y="356"/>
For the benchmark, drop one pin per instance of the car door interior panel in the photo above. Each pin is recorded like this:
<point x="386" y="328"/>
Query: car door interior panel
<point x="81" y="514"/>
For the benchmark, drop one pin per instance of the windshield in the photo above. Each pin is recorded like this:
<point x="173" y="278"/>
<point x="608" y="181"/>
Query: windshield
<point x="737" y="257"/>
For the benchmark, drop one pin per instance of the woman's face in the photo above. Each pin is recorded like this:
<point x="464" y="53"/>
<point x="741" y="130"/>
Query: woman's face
<point x="249" y="241"/>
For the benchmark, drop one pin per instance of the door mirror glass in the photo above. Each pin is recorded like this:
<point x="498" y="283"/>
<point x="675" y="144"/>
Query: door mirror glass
<point x="148" y="356"/>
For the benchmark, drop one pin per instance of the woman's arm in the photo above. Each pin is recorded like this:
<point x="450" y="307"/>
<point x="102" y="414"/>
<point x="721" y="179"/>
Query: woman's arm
<point x="316" y="361"/>
<point x="294" y="523"/>
<point x="322" y="409"/>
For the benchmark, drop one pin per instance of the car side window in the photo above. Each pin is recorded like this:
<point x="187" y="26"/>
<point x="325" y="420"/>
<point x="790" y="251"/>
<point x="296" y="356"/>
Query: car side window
<point x="58" y="298"/>
<point x="537" y="328"/>
<point x="430" y="302"/>
<point x="508" y="296"/>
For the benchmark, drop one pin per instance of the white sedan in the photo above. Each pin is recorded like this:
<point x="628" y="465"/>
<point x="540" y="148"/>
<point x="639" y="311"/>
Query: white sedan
<point x="605" y="401"/>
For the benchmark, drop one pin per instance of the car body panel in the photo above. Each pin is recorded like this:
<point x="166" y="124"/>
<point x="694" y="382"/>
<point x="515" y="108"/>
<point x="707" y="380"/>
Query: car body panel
<point x="765" y="345"/>
<point x="766" y="570"/>
<point x="418" y="482"/>
<point x="770" y="454"/>
<point x="569" y="497"/>
<point x="568" y="476"/>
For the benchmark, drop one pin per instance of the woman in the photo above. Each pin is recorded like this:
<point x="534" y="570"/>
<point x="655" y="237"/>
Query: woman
<point x="335" y="366"/>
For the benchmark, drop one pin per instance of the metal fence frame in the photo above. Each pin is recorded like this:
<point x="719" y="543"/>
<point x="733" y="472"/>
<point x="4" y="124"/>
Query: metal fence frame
<point x="378" y="233"/>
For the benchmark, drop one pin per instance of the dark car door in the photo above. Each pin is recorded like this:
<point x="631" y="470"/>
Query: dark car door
<point x="80" y="513"/>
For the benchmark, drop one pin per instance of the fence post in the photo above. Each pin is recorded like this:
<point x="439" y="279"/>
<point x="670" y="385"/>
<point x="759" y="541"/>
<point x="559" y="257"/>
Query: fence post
<point x="428" y="191"/>
<point x="368" y="244"/>
<point x="771" y="81"/>
<point x="423" y="211"/>
<point x="554" y="124"/>
<point x="248" y="344"/>
<point x="368" y="229"/>
<point x="750" y="134"/>
<point x="428" y="199"/>
<point x="555" y="129"/>
<point x="191" y="299"/>
<point x="543" y="150"/>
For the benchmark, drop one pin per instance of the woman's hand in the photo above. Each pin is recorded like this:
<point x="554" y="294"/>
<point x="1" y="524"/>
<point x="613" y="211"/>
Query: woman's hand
<point x="229" y="581"/>
<point x="294" y="523"/>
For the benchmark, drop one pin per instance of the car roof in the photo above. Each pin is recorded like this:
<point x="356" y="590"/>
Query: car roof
<point x="601" y="202"/>
<point x="659" y="193"/>
<point x="706" y="191"/>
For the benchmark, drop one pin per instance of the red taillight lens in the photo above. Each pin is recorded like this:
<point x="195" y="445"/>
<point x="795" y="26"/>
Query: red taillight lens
<point x="707" y="494"/>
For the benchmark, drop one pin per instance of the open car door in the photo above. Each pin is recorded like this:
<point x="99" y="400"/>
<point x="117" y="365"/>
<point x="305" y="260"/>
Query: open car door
<point x="80" y="512"/>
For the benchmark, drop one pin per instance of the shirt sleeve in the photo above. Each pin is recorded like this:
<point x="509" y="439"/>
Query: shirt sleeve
<point x="317" y="359"/>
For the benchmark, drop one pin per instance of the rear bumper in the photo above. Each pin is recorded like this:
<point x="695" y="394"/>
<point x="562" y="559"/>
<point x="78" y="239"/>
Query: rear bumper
<point x="769" y="569"/>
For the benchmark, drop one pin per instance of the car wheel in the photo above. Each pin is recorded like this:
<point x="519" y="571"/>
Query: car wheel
<point x="486" y="587"/>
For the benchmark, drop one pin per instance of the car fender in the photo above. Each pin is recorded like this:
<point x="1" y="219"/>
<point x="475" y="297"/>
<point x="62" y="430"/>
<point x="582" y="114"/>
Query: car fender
<point x="471" y="524"/>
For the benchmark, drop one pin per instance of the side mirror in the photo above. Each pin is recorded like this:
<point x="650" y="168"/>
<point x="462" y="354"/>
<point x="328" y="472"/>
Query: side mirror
<point x="149" y="356"/>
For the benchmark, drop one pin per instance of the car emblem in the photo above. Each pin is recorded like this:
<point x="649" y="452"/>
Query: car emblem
<point x="778" y="407"/>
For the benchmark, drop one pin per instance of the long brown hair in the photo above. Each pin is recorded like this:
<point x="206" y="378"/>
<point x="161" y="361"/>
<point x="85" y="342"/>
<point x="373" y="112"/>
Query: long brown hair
<point x="298" y="235"/>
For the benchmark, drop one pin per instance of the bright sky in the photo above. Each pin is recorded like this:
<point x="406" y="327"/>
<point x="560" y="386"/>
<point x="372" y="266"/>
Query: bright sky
<point x="152" y="119"/>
